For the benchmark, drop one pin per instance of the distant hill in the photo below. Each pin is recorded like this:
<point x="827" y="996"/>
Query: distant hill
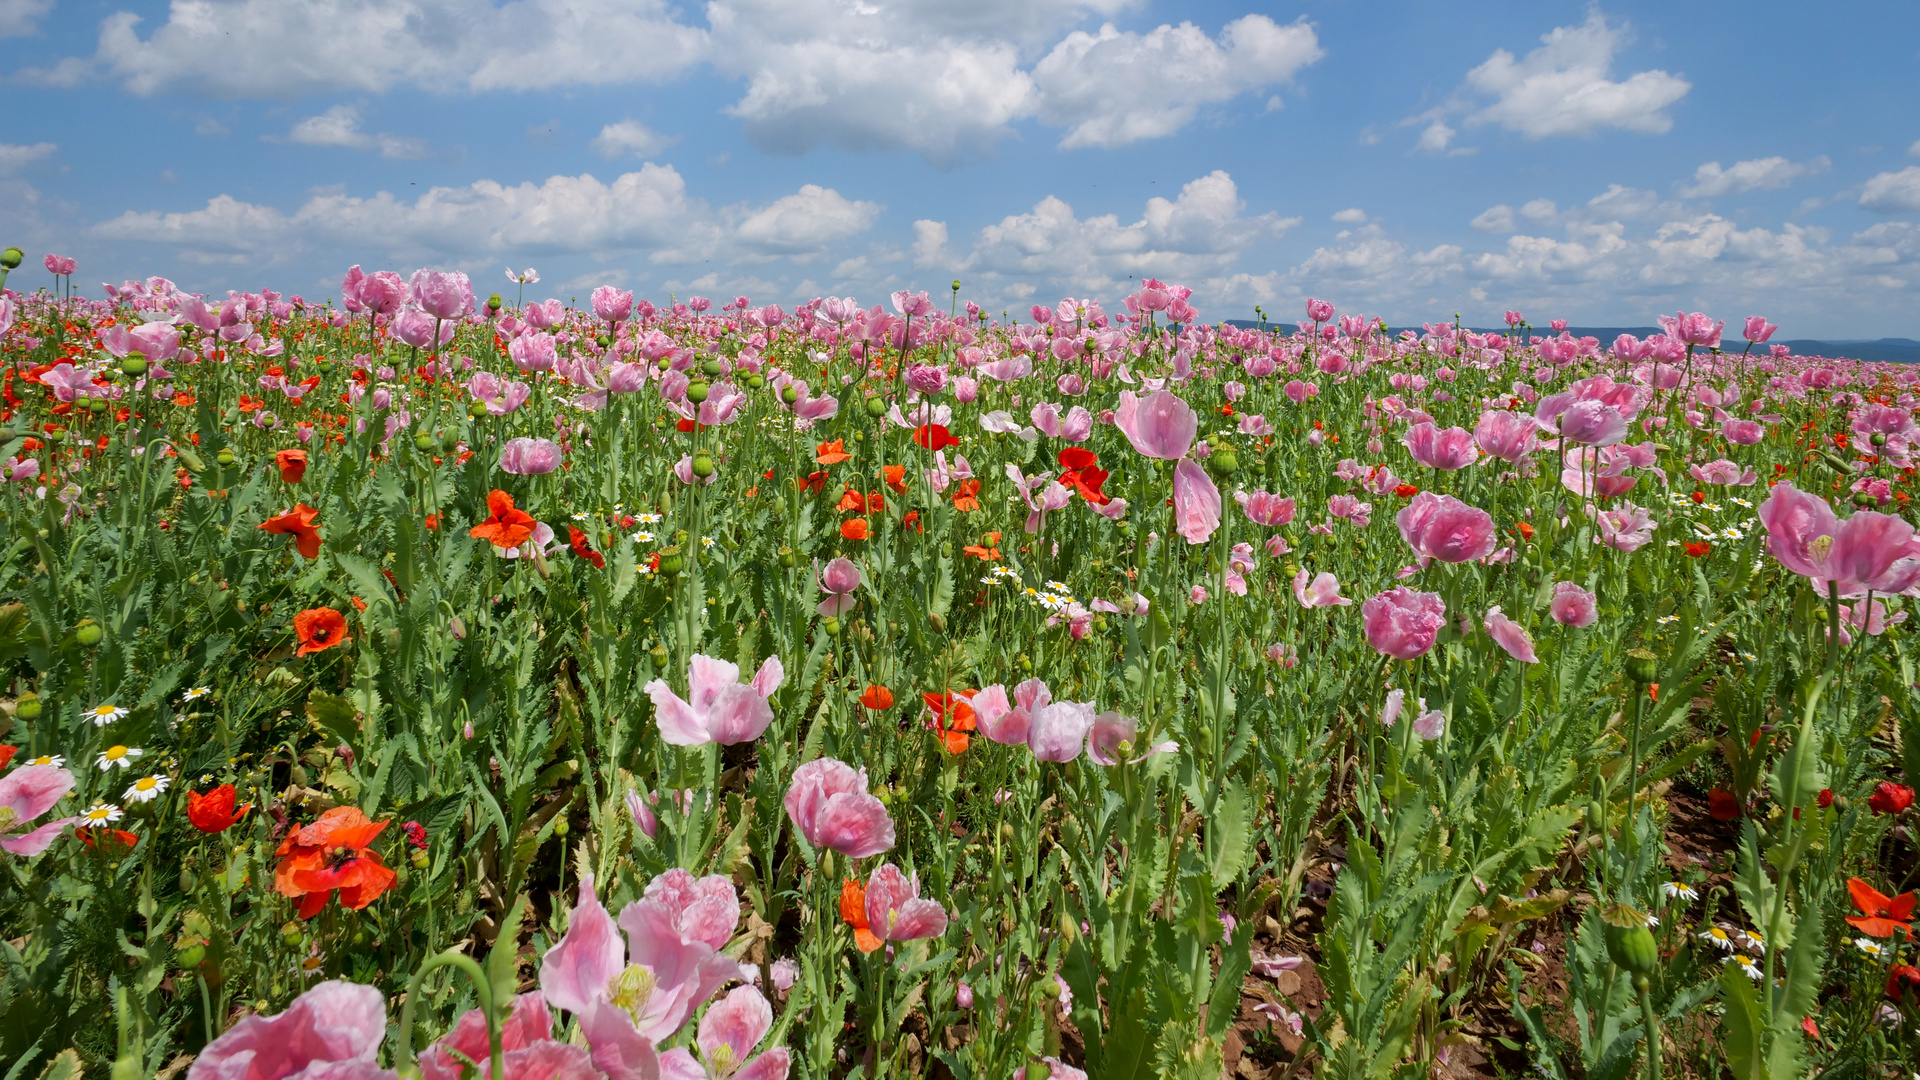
<point x="1901" y="350"/>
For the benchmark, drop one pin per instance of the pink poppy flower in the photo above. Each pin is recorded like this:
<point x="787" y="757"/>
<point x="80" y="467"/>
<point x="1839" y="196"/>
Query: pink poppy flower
<point x="828" y="802"/>
<point x="528" y="1051"/>
<point x="1441" y="448"/>
<point x="1162" y="426"/>
<point x="895" y="910"/>
<point x="1626" y="527"/>
<point x="1196" y="502"/>
<point x="727" y="1037"/>
<point x="1059" y="729"/>
<point x="26" y="793"/>
<point x="1322" y="591"/>
<point x="1444" y="528"/>
<point x="838" y="580"/>
<point x="1508" y="436"/>
<point x="1402" y="623"/>
<point x="529" y="457"/>
<point x="1572" y="605"/>
<point x="334" y="1024"/>
<point x="1868" y="552"/>
<point x="723" y="709"/>
<point x="1262" y="508"/>
<point x="1510" y="635"/>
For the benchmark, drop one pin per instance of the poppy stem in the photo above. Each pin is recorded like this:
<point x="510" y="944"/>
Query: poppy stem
<point x="404" y="1061"/>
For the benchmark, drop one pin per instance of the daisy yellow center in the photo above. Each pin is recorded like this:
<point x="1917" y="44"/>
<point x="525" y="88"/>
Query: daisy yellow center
<point x="105" y="710"/>
<point x="630" y="990"/>
<point x="100" y="813"/>
<point x="115" y="753"/>
<point x="44" y="759"/>
<point x="146" y="783"/>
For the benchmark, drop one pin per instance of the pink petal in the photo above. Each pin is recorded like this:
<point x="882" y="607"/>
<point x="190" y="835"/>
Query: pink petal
<point x="1196" y="502"/>
<point x="738" y="1021"/>
<point x="333" y="1022"/>
<point x="678" y="1064"/>
<point x="680" y="724"/>
<point x="617" y="1049"/>
<point x="577" y="969"/>
<point x="32" y="790"/>
<point x="772" y="1065"/>
<point x="768" y="679"/>
<point x="37" y="841"/>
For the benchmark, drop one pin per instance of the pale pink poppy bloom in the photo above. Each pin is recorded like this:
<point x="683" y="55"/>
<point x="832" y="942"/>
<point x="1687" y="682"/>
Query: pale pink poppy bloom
<point x="641" y="811"/>
<point x="1351" y="509"/>
<point x="997" y="718"/>
<point x="533" y="352"/>
<point x="1402" y="623"/>
<point x="1197" y="595"/>
<point x="1446" y="449"/>
<point x="1196" y="502"/>
<point x="1723" y="472"/>
<point x="1319" y="310"/>
<point x="1868" y="552"/>
<point x="1322" y="591"/>
<point x="1871" y="616"/>
<point x="1059" y="729"/>
<point x="612" y="305"/>
<point x="529" y="457"/>
<point x="1572" y="605"/>
<point x="1262" y="508"/>
<point x="1391" y="708"/>
<point x="670" y="969"/>
<point x="895" y="909"/>
<point x="1444" y="528"/>
<point x="723" y="709"/>
<point x="828" y="802"/>
<point x="1287" y="656"/>
<point x="1298" y="392"/>
<point x="61" y="265"/>
<point x="411" y="326"/>
<point x="1060" y="1070"/>
<point x="445" y="295"/>
<point x="1510" y="635"/>
<point x="1743" y="432"/>
<point x="546" y="315"/>
<point x="1162" y="426"/>
<point x="1508" y="436"/>
<point x="838" y="580"/>
<point x="1894" y="424"/>
<point x="728" y="1035"/>
<point x="1430" y="724"/>
<point x="1696" y="329"/>
<point x="1625" y="527"/>
<point x="25" y="794"/>
<point x="528" y="1051"/>
<point x="334" y="1024"/>
<point x="1111" y="739"/>
<point x="911" y="304"/>
<point x="1758" y="329"/>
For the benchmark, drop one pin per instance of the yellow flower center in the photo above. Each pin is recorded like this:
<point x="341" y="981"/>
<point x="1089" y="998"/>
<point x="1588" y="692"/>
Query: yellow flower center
<point x="630" y="990"/>
<point x="145" y="783"/>
<point x="105" y="710"/>
<point x="115" y="753"/>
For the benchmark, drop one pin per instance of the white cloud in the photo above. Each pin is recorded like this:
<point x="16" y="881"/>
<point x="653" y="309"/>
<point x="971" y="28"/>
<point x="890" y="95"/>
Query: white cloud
<point x="1118" y="87"/>
<point x="19" y="18"/>
<point x="629" y="138"/>
<point x="1914" y="150"/>
<point x="930" y="243"/>
<point x="340" y="126"/>
<point x="1494" y="219"/>
<point x="1564" y="87"/>
<point x="806" y="221"/>
<point x="1351" y="216"/>
<point x="1893" y="192"/>
<point x="14" y="158"/>
<point x="1768" y="174"/>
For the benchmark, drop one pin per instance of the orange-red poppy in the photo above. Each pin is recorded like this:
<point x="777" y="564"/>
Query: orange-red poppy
<point x="951" y="715"/>
<point x="505" y="526"/>
<point x="114" y="841"/>
<point x="831" y="453"/>
<point x="213" y="811"/>
<point x="1697" y="549"/>
<point x="292" y="465"/>
<point x="320" y="628"/>
<point x="6" y="754"/>
<point x="297" y="523"/>
<point x="966" y="497"/>
<point x="853" y="912"/>
<point x="854" y="528"/>
<point x="987" y="550"/>
<point x="577" y="540"/>
<point x="815" y="482"/>
<point x="1077" y="457"/>
<point x="878" y="698"/>
<point x="332" y="853"/>
<point x="851" y="500"/>
<point x="1880" y="915"/>
<point x="1526" y="531"/>
<point x="934" y="436"/>
<point x="895" y="477"/>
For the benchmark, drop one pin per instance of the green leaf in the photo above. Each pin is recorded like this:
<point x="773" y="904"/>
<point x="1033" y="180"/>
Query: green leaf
<point x="1740" y="1026"/>
<point x="334" y="713"/>
<point x="503" y="962"/>
<point x="64" y="1066"/>
<point x="1227" y="835"/>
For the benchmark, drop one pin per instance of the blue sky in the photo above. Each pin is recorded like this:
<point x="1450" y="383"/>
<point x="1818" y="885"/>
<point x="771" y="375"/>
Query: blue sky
<point x="1597" y="163"/>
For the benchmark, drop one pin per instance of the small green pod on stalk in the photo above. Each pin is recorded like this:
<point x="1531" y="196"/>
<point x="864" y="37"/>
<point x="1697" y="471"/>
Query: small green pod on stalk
<point x="1641" y="666"/>
<point x="88" y="633"/>
<point x="876" y="407"/>
<point x="12" y="258"/>
<point x="191" y="459"/>
<point x="1629" y="942"/>
<point x="27" y="706"/>
<point x="710" y="367"/>
<point x="697" y="391"/>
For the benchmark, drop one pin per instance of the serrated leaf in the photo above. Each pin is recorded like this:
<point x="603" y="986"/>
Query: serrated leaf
<point x="1227" y="835"/>
<point x="64" y="1066"/>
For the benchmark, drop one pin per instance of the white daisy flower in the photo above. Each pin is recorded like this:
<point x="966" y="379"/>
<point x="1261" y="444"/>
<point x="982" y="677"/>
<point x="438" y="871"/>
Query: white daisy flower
<point x="1869" y="946"/>
<point x="116" y="757"/>
<point x="1718" y="937"/>
<point x="147" y="788"/>
<point x="1747" y="967"/>
<point x="642" y="537"/>
<point x="647" y="519"/>
<point x="197" y="693"/>
<point x="1752" y="940"/>
<point x="1677" y="891"/>
<point x="708" y="541"/>
<point x="101" y="813"/>
<point x="102" y="715"/>
<point x="54" y="760"/>
<point x="1738" y="501"/>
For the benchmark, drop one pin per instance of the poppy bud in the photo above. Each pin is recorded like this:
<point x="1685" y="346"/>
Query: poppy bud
<point x="788" y="558"/>
<point x="290" y="932"/>
<point x="1069" y="930"/>
<point x="703" y="464"/>
<point x="756" y="380"/>
<point x="97" y="405"/>
<point x="710" y="367"/>
<point x="135" y="365"/>
<point x="789" y="393"/>
<point x="876" y="408"/>
<point x="28" y="706"/>
<point x="560" y="828"/>
<point x="1629" y="942"/>
<point x="449" y="442"/>
<point x="458" y="628"/>
<point x="12" y="258"/>
<point x="1224" y="461"/>
<point x="88" y="633"/>
<point x="478" y="408"/>
<point x="1865" y="500"/>
<point x="191" y="956"/>
<point x="1642" y="666"/>
<point x="1023" y="662"/>
<point x="493" y="302"/>
<point x="831" y="625"/>
<point x="602" y="340"/>
<point x="419" y="860"/>
<point x="1878" y="438"/>
<point x="659" y="656"/>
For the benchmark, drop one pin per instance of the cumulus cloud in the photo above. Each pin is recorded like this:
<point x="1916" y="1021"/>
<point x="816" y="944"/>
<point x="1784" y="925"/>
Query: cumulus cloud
<point x="1893" y="192"/>
<point x="340" y="126"/>
<point x="14" y="158"/>
<point x="629" y="138"/>
<point x="648" y="211"/>
<point x="930" y="243"/>
<point x="1494" y="219"/>
<point x="19" y="18"/>
<point x="1117" y="87"/>
<point x="1765" y="174"/>
<point x="1351" y="216"/>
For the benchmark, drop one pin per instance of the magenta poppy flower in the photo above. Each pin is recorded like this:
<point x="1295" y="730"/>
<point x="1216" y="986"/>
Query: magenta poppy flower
<point x="895" y="910"/>
<point x="1626" y="527"/>
<point x="445" y="295"/>
<point x="1446" y="449"/>
<point x="1262" y="508"/>
<point x="838" y="580"/>
<point x="612" y="305"/>
<point x="1402" y="623"/>
<point x="728" y="1035"/>
<point x="1868" y="552"/>
<point x="529" y="457"/>
<point x="1572" y="605"/>
<point x="1510" y="635"/>
<point x="1162" y="426"/>
<point x="1508" y="436"/>
<point x="828" y="802"/>
<point x="334" y="1024"/>
<point x="1444" y="528"/>
<point x="722" y="709"/>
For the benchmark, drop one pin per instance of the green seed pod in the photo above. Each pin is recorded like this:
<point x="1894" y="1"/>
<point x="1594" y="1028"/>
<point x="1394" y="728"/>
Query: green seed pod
<point x="956" y="284"/>
<point x="1642" y="666"/>
<point x="876" y="408"/>
<point x="1865" y="500"/>
<point x="946" y="551"/>
<point x="1836" y="463"/>
<point x="697" y="391"/>
<point x="224" y="456"/>
<point x="831" y="624"/>
<point x="135" y="365"/>
<point x="788" y="558"/>
<point x="710" y="367"/>
<point x="291" y="931"/>
<point x="423" y="442"/>
<point x="672" y="561"/>
<point x="494" y="302"/>
<point x="477" y="409"/>
<point x="27" y="707"/>
<point x="96" y="405"/>
<point x="88" y="633"/>
<point x="658" y="654"/>
<point x="1878" y="438"/>
<point x="1224" y="461"/>
<point x="12" y="258"/>
<point x="789" y="393"/>
<point x="756" y="380"/>
<point x="602" y="340"/>
<point x="190" y="957"/>
<point x="1629" y="942"/>
<point x="560" y="828"/>
<point x="703" y="464"/>
<point x="191" y="459"/>
<point x="418" y="859"/>
<point x="449" y="443"/>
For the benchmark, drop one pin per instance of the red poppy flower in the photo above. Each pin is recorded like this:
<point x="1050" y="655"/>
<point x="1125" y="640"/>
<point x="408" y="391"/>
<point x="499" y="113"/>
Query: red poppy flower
<point x="878" y="698"/>
<point x="1087" y="482"/>
<point x="1406" y="491"/>
<point x="934" y="436"/>
<point x="1723" y="805"/>
<point x="297" y="523"/>
<point x="292" y="465"/>
<point x="966" y="498"/>
<point x="213" y="811"/>
<point x="1697" y="549"/>
<point x="895" y="477"/>
<point x="505" y="526"/>
<point x="433" y="521"/>
<point x="319" y="629"/>
<point x="6" y="754"/>
<point x="815" y="482"/>
<point x="987" y="550"/>
<point x="1526" y="531"/>
<point x="333" y="853"/>
<point x="851" y="500"/>
<point x="1890" y="798"/>
<point x="1880" y="915"/>
<point x="853" y="912"/>
<point x="854" y="528"/>
<point x="831" y="453"/>
<point x="1078" y="457"/>
<point x="1699" y="496"/>
<point x="114" y="841"/>
<point x="951" y="715"/>
<point x="1902" y="978"/>
<point x="1826" y="798"/>
<point x="577" y="540"/>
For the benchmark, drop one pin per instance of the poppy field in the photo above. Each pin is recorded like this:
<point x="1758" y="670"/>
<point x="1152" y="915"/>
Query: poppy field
<point x="412" y="682"/>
